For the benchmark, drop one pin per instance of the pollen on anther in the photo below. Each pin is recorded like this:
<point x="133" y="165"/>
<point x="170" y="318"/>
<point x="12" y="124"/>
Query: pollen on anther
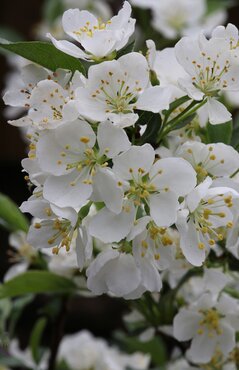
<point x="84" y="139"/>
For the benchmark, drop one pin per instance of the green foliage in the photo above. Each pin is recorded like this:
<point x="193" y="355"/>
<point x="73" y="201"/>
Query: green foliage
<point x="52" y="10"/>
<point x="18" y="305"/>
<point x="155" y="347"/>
<point x="10" y="216"/>
<point x="35" y="339"/>
<point x="235" y="134"/>
<point x="36" y="282"/>
<point x="44" y="54"/>
<point x="174" y="105"/>
<point x="219" y="133"/>
<point x="127" y="49"/>
<point x="10" y="361"/>
<point x="214" y="5"/>
<point x="154" y="123"/>
<point x="184" y="122"/>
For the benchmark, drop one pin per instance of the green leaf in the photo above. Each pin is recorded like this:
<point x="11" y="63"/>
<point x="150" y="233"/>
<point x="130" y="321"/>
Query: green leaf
<point x="174" y="105"/>
<point x="155" y="347"/>
<point x="219" y="133"/>
<point x="10" y="361"/>
<point x="44" y="54"/>
<point x="18" y="305"/>
<point x="35" y="339"/>
<point x="152" y="129"/>
<point x="52" y="10"/>
<point x="126" y="50"/>
<point x="184" y="122"/>
<point x="36" y="282"/>
<point x="235" y="134"/>
<point x="10" y="215"/>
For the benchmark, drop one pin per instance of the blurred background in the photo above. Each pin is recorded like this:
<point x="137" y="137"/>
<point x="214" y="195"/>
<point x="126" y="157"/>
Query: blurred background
<point x="19" y="20"/>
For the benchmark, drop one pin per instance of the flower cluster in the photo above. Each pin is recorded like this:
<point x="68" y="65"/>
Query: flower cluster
<point x="130" y="191"/>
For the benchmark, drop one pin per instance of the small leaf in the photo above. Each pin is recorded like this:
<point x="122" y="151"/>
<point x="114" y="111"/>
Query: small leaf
<point x="219" y="133"/>
<point x="35" y="339"/>
<point x="44" y="54"/>
<point x="10" y="215"/>
<point x="152" y="129"/>
<point x="126" y="50"/>
<point x="36" y="282"/>
<point x="174" y="105"/>
<point x="184" y="122"/>
<point x="235" y="134"/>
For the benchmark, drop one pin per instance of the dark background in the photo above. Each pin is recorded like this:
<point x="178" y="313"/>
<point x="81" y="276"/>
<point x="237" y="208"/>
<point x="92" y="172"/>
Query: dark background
<point x="20" y="16"/>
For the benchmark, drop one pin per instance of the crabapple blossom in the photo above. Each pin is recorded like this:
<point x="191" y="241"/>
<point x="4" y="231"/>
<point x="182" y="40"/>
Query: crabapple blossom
<point x="174" y="18"/>
<point x="99" y="8"/>
<point x="20" y="95"/>
<point x="24" y="254"/>
<point x="133" y="193"/>
<point x="120" y="274"/>
<point x="206" y="211"/>
<point x="51" y="104"/>
<point x="82" y="351"/>
<point x="146" y="184"/>
<point x="98" y="39"/>
<point x="211" y="324"/>
<point x="77" y="168"/>
<point x="211" y="69"/>
<point x="115" y="89"/>
<point x="215" y="160"/>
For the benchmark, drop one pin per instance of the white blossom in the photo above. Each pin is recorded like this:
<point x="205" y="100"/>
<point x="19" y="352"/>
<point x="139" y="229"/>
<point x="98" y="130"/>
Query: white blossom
<point x="207" y="210"/>
<point x="211" y="70"/>
<point x="215" y="160"/>
<point x="77" y="168"/>
<point x="114" y="89"/>
<point x="210" y="324"/>
<point x="82" y="351"/>
<point x="98" y="39"/>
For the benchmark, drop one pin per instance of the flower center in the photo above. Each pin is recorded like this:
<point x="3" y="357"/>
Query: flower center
<point x="118" y="96"/>
<point x="210" y="79"/>
<point x="140" y="188"/>
<point x="203" y="219"/>
<point x="88" y="29"/>
<point x="211" y="322"/>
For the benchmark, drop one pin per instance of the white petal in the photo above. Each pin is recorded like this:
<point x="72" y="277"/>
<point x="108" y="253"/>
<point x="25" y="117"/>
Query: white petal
<point x="185" y="324"/>
<point x="21" y="122"/>
<point x="155" y="99"/>
<point x="109" y="227"/>
<point x="108" y="189"/>
<point x="150" y="276"/>
<point x="68" y="47"/>
<point x="217" y="112"/>
<point x="194" y="198"/>
<point x="192" y="91"/>
<point x="227" y="340"/>
<point x="202" y="348"/>
<point x="112" y="140"/>
<point x="96" y="274"/>
<point x="74" y="19"/>
<point x="163" y="208"/>
<point x="124" y="276"/>
<point x="128" y="164"/>
<point x="139" y="227"/>
<point x="176" y="174"/>
<point x="89" y="108"/>
<point x="16" y="270"/>
<point x="60" y="191"/>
